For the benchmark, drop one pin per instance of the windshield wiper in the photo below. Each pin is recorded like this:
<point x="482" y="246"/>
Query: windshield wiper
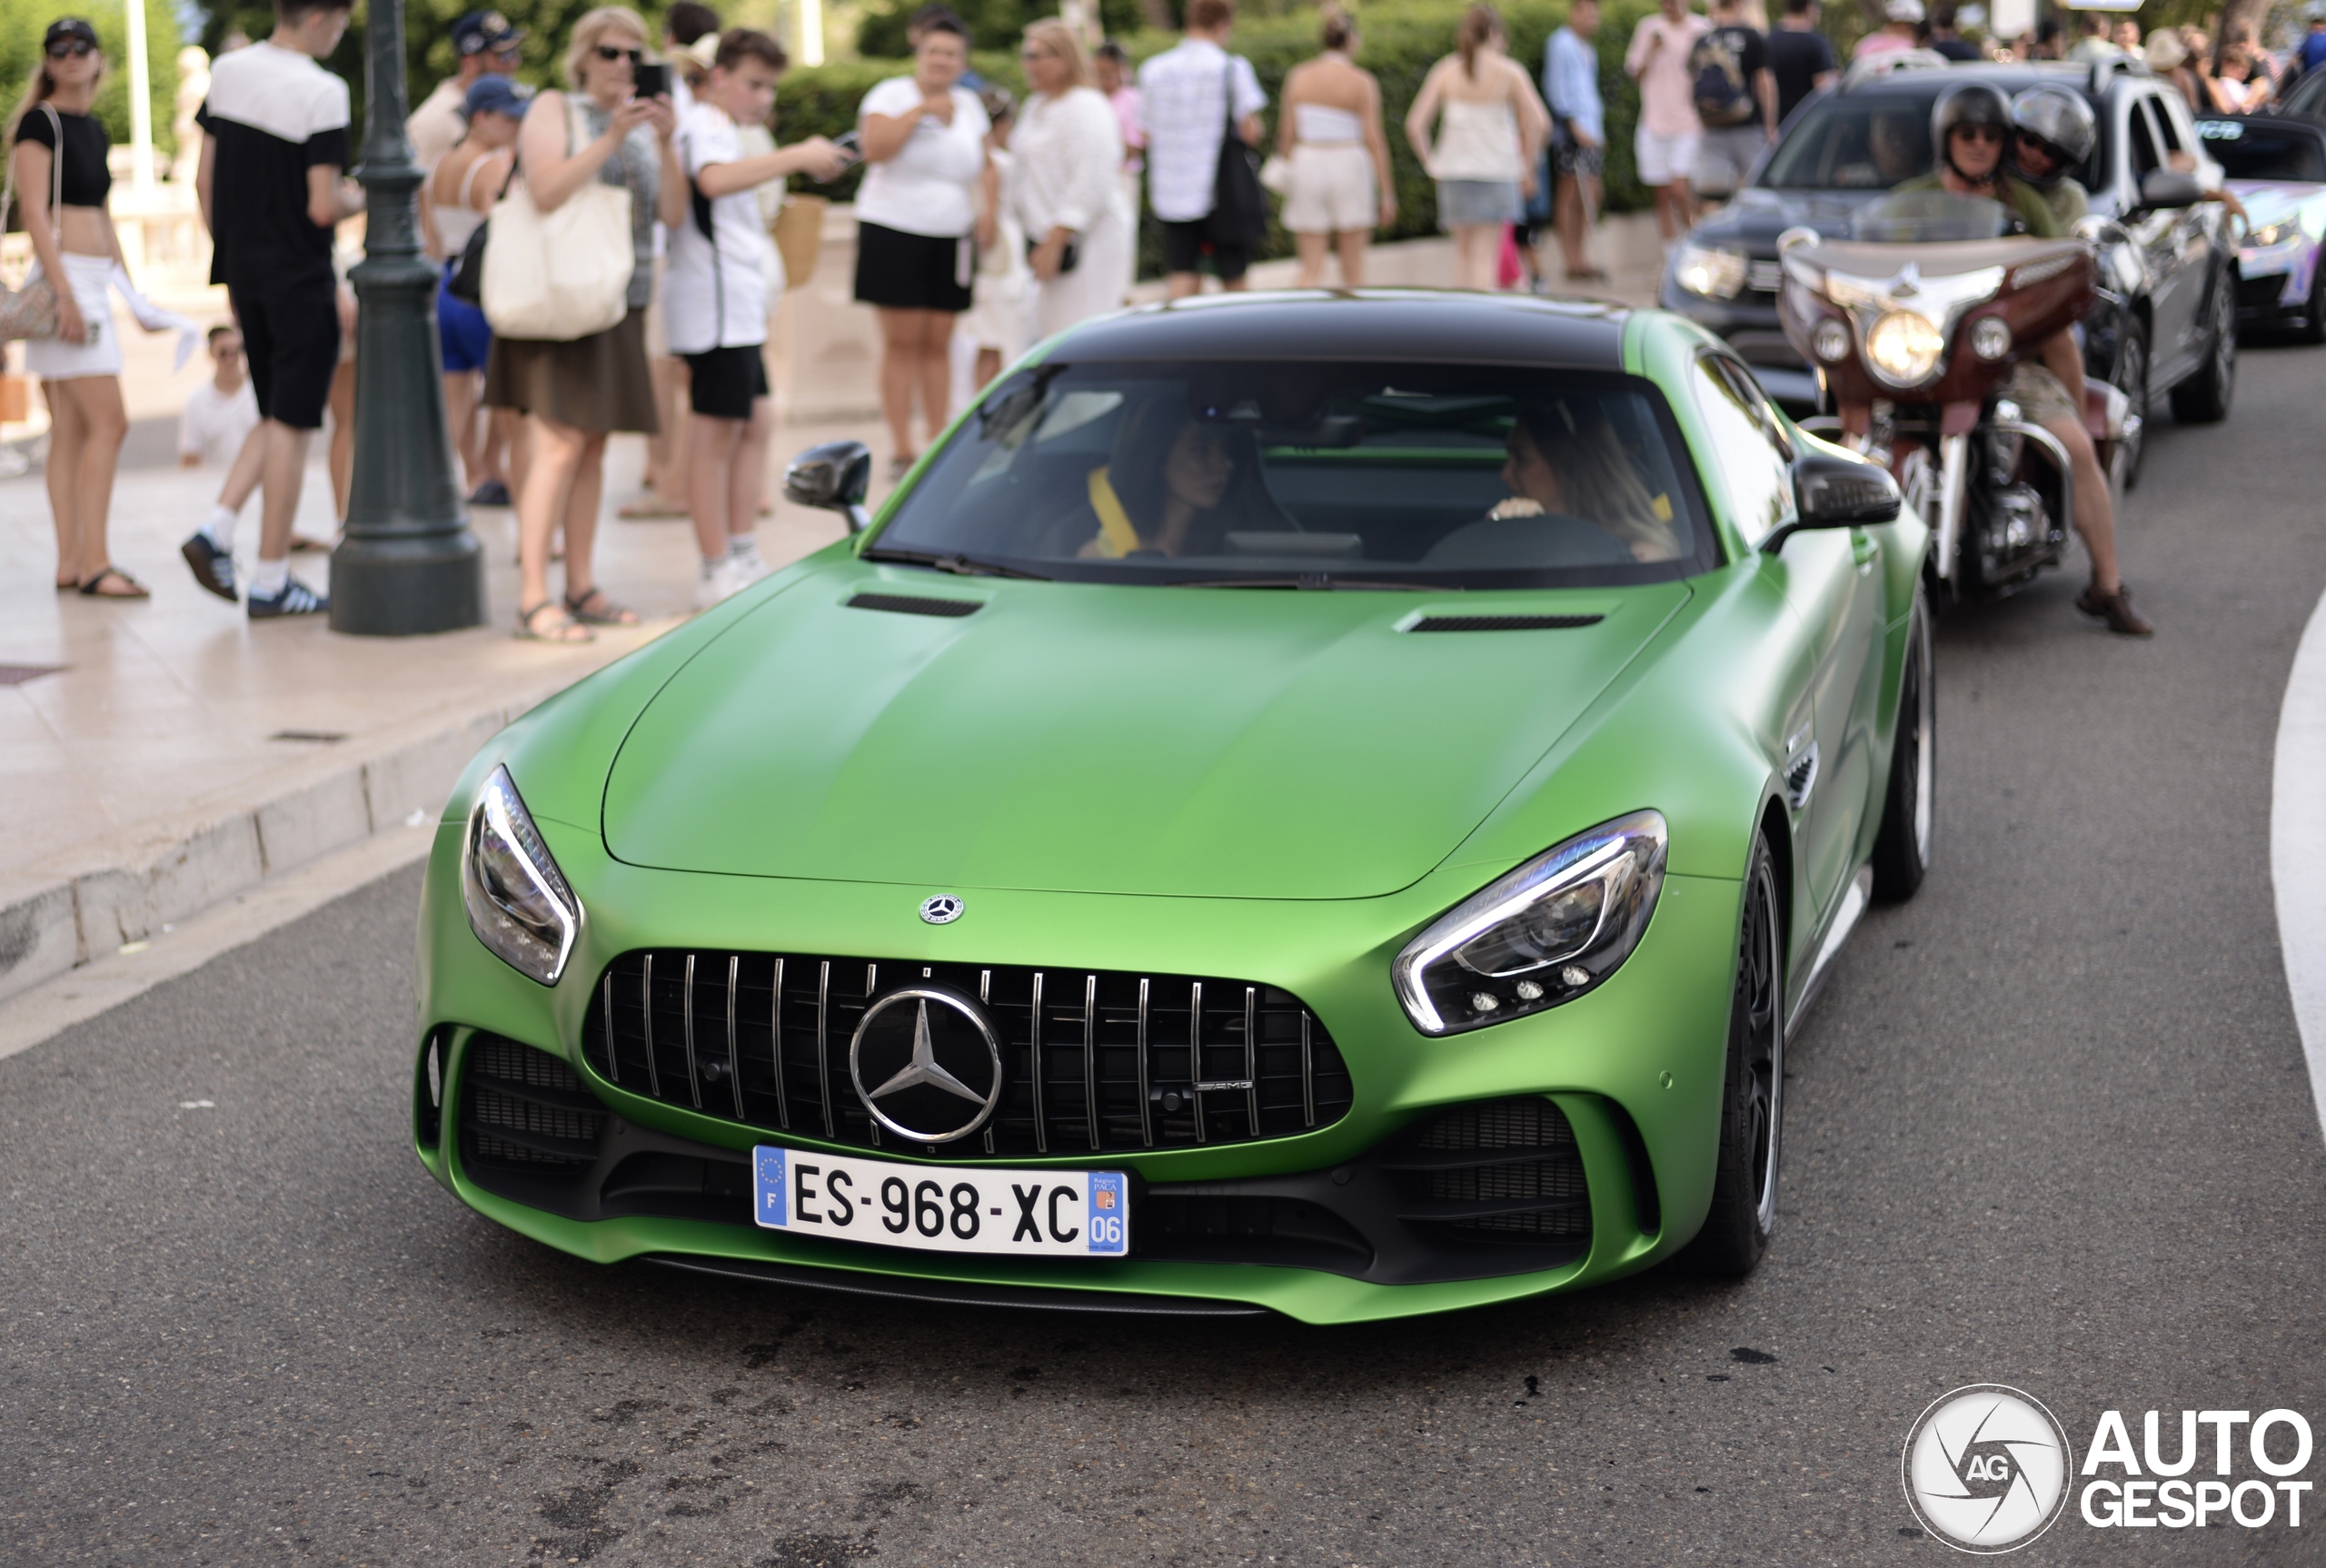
<point x="1326" y="581"/>
<point x="958" y="564"/>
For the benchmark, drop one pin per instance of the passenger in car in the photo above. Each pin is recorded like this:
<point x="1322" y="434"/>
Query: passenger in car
<point x="1174" y="472"/>
<point x="1560" y="465"/>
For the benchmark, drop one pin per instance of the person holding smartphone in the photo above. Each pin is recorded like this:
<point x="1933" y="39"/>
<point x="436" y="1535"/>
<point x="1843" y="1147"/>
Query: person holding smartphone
<point x="721" y="277"/>
<point x="1069" y="146"/>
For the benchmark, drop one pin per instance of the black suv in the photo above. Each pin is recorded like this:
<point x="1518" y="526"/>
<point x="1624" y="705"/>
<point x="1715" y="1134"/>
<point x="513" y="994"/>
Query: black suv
<point x="2166" y="320"/>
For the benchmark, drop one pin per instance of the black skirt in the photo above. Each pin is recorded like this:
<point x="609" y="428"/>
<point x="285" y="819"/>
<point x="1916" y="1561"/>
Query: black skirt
<point x="913" y="272"/>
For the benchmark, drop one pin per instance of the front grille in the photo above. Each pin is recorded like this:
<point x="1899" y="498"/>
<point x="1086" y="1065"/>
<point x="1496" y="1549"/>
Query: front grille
<point x="526" y="1110"/>
<point x="1502" y="1170"/>
<point x="1764" y="277"/>
<point x="2260" y="295"/>
<point x="1096" y="1061"/>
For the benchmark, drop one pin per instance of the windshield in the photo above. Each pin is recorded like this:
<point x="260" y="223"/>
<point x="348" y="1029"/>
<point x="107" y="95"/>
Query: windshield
<point x="2251" y="152"/>
<point x="1866" y="143"/>
<point x="1928" y="217"/>
<point x="1309" y="474"/>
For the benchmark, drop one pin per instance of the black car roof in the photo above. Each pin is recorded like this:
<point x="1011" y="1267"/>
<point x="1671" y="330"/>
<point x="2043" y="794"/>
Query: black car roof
<point x="2011" y="79"/>
<point x="1362" y="325"/>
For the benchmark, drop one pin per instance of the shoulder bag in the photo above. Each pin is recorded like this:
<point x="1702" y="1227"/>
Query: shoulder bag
<point x="31" y="312"/>
<point x="1240" y="207"/>
<point x="563" y="274"/>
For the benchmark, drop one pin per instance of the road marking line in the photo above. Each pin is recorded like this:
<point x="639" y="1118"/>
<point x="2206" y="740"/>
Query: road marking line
<point x="2298" y="845"/>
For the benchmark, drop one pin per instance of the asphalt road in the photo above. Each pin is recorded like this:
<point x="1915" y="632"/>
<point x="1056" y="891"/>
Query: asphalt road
<point x="2050" y="1126"/>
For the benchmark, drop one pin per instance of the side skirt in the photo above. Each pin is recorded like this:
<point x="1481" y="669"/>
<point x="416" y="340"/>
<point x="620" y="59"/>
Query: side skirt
<point x="1838" y="931"/>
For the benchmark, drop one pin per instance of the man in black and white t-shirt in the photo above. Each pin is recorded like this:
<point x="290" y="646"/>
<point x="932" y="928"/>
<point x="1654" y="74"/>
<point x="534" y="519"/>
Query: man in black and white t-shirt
<point x="274" y="140"/>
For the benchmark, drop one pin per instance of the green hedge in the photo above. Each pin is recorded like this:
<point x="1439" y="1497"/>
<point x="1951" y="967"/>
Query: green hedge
<point x="1400" y="45"/>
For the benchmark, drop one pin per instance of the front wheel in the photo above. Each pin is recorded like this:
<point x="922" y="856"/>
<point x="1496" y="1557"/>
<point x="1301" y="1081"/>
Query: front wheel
<point x="2205" y="398"/>
<point x="1901" y="846"/>
<point x="2132" y="380"/>
<point x="1735" y="1234"/>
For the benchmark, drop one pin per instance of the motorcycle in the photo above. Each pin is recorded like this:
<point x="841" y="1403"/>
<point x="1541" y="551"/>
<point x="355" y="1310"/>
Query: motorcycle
<point x="1915" y="323"/>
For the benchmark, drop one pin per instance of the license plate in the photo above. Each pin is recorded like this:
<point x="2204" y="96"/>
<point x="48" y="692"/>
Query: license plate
<point x="1018" y="1212"/>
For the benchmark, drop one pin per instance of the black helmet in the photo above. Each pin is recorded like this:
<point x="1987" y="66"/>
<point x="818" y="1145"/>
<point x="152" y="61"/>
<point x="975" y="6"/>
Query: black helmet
<point x="1971" y="104"/>
<point x="2062" y="120"/>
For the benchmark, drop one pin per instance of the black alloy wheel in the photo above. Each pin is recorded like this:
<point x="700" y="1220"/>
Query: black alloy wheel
<point x="1744" y="1213"/>
<point x="2132" y="379"/>
<point x="2205" y="398"/>
<point x="1902" y="847"/>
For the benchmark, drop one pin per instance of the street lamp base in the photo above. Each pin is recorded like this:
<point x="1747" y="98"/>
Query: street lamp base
<point x="410" y="585"/>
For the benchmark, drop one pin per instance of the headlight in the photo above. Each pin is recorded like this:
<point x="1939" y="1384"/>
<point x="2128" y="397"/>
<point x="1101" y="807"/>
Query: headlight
<point x="1903" y="347"/>
<point x="2263" y="239"/>
<point x="1715" y="274"/>
<point x="1542" y="935"/>
<point x="519" y="905"/>
<point x="1991" y="337"/>
<point x="1831" y="341"/>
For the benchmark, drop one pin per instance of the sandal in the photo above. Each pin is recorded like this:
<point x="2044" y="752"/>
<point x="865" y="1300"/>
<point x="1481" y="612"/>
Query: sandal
<point x="131" y="587"/>
<point x="564" y="629"/>
<point x="593" y="608"/>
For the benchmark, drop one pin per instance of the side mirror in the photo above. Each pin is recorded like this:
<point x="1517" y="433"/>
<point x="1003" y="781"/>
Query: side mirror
<point x="1831" y="492"/>
<point x="835" y="477"/>
<point x="2164" y="190"/>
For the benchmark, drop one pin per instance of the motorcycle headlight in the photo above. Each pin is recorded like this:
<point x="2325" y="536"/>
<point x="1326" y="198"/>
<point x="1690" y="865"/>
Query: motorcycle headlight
<point x="1830" y="341"/>
<point x="1904" y="348"/>
<point x="1991" y="337"/>
<point x="518" y="903"/>
<point x="1540" y="935"/>
<point x="1715" y="274"/>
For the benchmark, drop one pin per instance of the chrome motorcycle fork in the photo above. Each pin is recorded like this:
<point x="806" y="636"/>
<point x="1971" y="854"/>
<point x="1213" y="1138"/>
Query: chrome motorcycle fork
<point x="1953" y="493"/>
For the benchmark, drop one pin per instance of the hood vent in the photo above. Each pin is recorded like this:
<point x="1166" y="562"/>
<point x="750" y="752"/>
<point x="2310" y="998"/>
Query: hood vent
<point x="912" y="604"/>
<point x="1503" y="623"/>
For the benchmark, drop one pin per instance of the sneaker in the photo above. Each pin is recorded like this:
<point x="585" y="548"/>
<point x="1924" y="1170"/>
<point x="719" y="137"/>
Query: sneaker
<point x="725" y="580"/>
<point x="748" y="569"/>
<point x="297" y="598"/>
<point x="491" y="492"/>
<point x="212" y="566"/>
<point x="2115" y="609"/>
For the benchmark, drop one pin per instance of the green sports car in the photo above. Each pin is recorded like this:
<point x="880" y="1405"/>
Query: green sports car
<point x="1327" y="804"/>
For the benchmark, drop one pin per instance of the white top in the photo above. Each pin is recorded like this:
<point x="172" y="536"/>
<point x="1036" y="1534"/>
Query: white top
<point x="1183" y="104"/>
<point x="717" y="286"/>
<point x="1322" y="125"/>
<point x="1069" y="149"/>
<point x="1477" y="142"/>
<point x="438" y="124"/>
<point x="930" y="187"/>
<point x="213" y="425"/>
<point x="456" y="222"/>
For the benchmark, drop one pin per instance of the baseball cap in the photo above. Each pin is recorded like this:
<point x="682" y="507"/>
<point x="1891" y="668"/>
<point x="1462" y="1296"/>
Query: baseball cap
<point x="65" y="28"/>
<point x="482" y="30"/>
<point x="493" y="95"/>
<point x="1903" y="10"/>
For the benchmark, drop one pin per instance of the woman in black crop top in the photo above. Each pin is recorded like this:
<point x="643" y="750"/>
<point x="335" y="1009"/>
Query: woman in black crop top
<point x="57" y="154"/>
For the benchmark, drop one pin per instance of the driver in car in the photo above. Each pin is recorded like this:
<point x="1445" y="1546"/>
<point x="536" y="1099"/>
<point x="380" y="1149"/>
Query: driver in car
<point x="1556" y="465"/>
<point x="1971" y="127"/>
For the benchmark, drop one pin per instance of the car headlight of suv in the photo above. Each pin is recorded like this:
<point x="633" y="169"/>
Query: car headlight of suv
<point x="1715" y="274"/>
<point x="517" y="901"/>
<point x="2262" y="239"/>
<point x="1540" y="935"/>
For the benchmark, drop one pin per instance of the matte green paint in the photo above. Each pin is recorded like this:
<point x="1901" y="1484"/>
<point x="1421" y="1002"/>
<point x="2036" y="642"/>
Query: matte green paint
<point x="1278" y="787"/>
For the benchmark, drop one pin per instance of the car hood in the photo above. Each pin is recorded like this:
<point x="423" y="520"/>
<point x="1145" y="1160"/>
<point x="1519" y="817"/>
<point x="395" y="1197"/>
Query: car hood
<point x="1752" y="223"/>
<point x="2270" y="202"/>
<point x="1071" y="736"/>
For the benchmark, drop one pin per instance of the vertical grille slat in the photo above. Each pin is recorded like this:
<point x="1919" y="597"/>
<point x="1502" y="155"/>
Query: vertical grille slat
<point x="1120" y="1061"/>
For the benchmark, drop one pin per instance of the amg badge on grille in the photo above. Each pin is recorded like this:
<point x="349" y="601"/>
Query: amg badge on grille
<point x="942" y="910"/>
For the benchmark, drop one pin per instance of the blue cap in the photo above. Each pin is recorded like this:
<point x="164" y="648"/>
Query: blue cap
<point x="482" y="30"/>
<point x="493" y="95"/>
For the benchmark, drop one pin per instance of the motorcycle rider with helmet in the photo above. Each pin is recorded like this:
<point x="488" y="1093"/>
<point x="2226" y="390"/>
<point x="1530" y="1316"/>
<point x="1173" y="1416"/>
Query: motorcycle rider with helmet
<point x="1973" y="126"/>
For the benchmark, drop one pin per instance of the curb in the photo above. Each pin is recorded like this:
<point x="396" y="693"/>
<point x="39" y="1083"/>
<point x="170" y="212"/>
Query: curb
<point x="87" y="902"/>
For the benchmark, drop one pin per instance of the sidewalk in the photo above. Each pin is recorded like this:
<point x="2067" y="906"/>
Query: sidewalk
<point x="158" y="758"/>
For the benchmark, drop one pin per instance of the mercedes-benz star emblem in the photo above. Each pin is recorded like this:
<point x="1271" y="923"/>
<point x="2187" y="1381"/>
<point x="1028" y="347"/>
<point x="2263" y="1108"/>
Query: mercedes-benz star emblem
<point x="936" y="1060"/>
<point x="942" y="910"/>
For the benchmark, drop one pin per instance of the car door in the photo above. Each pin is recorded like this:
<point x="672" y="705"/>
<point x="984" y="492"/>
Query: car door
<point x="1829" y="583"/>
<point x="2172" y="288"/>
<point x="2194" y="227"/>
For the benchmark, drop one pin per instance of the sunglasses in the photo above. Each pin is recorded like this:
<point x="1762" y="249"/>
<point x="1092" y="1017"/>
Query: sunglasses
<point x="1980" y="134"/>
<point x="71" y="48"/>
<point x="1035" y="54"/>
<point x="608" y="53"/>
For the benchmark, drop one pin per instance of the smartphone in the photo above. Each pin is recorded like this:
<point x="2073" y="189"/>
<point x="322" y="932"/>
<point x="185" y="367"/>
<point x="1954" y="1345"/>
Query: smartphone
<point x="853" y="144"/>
<point x="650" y="80"/>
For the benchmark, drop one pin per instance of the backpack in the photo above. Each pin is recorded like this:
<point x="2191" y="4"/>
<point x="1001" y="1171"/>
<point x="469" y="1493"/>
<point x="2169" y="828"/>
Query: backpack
<point x="1722" y="97"/>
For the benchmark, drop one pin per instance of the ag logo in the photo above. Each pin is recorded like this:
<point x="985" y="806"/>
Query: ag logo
<point x="1986" y="1469"/>
<point x="942" y="910"/>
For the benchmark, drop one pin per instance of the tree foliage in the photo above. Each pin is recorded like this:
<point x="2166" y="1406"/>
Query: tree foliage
<point x="22" y="23"/>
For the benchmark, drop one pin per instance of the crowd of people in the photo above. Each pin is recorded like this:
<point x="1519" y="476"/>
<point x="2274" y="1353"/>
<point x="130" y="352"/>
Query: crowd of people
<point x="652" y="174"/>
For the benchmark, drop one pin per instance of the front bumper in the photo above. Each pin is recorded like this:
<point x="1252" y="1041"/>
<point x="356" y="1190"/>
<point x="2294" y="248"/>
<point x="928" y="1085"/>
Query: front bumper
<point x="2274" y="284"/>
<point x="1320" y="1226"/>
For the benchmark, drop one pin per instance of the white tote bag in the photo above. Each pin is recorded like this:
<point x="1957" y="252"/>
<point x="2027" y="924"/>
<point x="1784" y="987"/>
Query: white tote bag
<point x="559" y="275"/>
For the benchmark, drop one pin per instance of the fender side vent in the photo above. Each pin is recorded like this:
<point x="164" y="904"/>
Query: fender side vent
<point x="910" y="604"/>
<point x="1503" y="623"/>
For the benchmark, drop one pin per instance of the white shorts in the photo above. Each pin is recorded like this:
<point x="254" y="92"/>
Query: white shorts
<point x="1663" y="159"/>
<point x="54" y="359"/>
<point x="1332" y="190"/>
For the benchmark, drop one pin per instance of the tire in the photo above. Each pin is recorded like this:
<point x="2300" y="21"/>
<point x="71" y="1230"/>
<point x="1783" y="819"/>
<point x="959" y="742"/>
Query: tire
<point x="2205" y="398"/>
<point x="2131" y="378"/>
<point x="1736" y="1233"/>
<point x="1901" y="846"/>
